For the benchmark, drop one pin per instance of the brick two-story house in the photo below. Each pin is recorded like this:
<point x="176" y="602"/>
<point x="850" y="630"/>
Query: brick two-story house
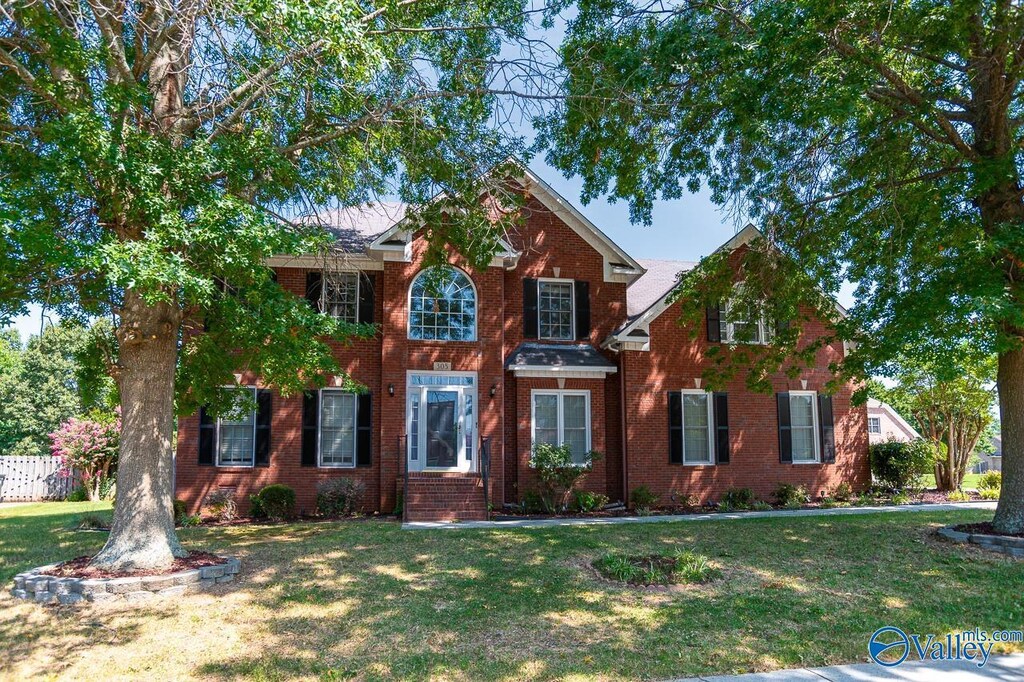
<point x="564" y="338"/>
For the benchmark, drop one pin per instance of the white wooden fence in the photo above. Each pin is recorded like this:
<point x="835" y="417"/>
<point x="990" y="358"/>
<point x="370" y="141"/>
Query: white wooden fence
<point x="24" y="479"/>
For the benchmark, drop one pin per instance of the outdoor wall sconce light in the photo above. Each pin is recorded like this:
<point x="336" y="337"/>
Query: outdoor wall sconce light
<point x="391" y="390"/>
<point x="494" y="389"/>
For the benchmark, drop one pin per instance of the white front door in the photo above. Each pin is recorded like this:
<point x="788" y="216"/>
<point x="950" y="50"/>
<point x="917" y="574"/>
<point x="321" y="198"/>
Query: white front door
<point x="441" y="421"/>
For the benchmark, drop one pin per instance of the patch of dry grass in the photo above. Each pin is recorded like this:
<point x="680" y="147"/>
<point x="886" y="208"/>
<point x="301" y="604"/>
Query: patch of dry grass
<point x="367" y="600"/>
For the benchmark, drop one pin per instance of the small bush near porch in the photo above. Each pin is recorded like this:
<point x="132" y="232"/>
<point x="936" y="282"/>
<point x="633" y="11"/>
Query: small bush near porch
<point x="366" y="600"/>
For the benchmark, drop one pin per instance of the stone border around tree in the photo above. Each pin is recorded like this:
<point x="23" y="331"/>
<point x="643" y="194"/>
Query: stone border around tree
<point x="48" y="589"/>
<point x="1005" y="544"/>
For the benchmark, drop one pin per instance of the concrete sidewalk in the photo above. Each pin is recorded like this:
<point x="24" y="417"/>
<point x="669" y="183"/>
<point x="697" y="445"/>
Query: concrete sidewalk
<point x="1001" y="668"/>
<point x="838" y="511"/>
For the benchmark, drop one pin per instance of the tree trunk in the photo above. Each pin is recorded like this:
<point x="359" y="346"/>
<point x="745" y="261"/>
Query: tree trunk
<point x="1010" y="382"/>
<point x="142" y="535"/>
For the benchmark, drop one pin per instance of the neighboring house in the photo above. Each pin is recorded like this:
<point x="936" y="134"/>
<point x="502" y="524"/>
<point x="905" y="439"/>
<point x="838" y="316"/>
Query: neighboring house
<point x="992" y="461"/>
<point x="885" y="423"/>
<point x="565" y="338"/>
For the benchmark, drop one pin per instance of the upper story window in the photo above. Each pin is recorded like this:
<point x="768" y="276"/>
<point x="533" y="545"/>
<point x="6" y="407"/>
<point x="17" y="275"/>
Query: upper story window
<point x="442" y="306"/>
<point x="555" y="309"/>
<point x="874" y="424"/>
<point x="741" y="324"/>
<point x="340" y="295"/>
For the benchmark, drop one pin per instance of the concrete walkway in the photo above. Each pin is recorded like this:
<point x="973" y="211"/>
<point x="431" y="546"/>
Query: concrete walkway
<point x="837" y="511"/>
<point x="1009" y="667"/>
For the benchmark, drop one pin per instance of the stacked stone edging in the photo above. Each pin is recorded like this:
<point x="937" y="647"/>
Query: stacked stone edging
<point x="48" y="589"/>
<point x="1005" y="544"/>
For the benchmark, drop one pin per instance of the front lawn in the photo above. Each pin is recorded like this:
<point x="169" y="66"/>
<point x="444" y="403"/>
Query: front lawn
<point x="970" y="481"/>
<point x="366" y="600"/>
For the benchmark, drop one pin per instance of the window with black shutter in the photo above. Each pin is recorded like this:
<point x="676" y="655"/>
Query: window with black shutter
<point x="714" y="323"/>
<point x="785" y="432"/>
<point x="675" y="427"/>
<point x="721" y="410"/>
<point x="314" y="288"/>
<point x="367" y="292"/>
<point x="264" y="410"/>
<point x="530" y="328"/>
<point x="582" y="302"/>
<point x="827" y="428"/>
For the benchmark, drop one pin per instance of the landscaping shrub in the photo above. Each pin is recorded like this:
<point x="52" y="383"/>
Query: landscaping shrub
<point x="558" y="473"/>
<point x="761" y="505"/>
<point x="989" y="493"/>
<point x="657" y="569"/>
<point x="275" y="502"/>
<point x="531" y="503"/>
<point x="900" y="465"/>
<point x="738" y="498"/>
<point x="990" y="480"/>
<point x="642" y="498"/>
<point x="955" y="496"/>
<point x="586" y="501"/>
<point x="220" y="504"/>
<point x="685" y="500"/>
<point x="79" y="494"/>
<point x="790" y="496"/>
<point x="339" y="496"/>
<point x="180" y="511"/>
<point x="842" y="492"/>
<point x="88" y="447"/>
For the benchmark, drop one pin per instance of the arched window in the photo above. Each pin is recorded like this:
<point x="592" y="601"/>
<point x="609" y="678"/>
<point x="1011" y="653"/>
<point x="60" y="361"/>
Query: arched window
<point x="442" y="306"/>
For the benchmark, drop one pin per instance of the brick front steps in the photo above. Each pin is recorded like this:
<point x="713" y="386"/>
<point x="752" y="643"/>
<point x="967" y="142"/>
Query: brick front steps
<point x="445" y="497"/>
<point x="1005" y="544"/>
<point x="48" y="589"/>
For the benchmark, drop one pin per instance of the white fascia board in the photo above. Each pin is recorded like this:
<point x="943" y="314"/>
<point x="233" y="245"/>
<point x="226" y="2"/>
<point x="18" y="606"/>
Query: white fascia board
<point x="541" y="371"/>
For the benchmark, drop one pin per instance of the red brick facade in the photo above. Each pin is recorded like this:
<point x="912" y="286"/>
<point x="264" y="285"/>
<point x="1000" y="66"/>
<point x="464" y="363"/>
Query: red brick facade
<point x="629" y="413"/>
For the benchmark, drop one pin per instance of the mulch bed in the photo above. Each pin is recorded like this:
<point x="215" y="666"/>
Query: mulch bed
<point x="984" y="528"/>
<point x="80" y="568"/>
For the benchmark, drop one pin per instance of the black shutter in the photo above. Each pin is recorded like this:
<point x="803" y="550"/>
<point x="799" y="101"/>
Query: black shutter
<point x="367" y="284"/>
<point x="675" y="427"/>
<point x="721" y="428"/>
<point x="310" y="425"/>
<point x="364" y="430"/>
<point x="264" y="404"/>
<point x="582" y="293"/>
<point x="314" y="288"/>
<point x="273" y="276"/>
<point x="785" y="429"/>
<point x="714" y="317"/>
<point x="530" y="322"/>
<point x="207" y="437"/>
<point x="828" y="430"/>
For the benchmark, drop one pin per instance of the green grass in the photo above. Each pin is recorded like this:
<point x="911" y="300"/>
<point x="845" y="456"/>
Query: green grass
<point x="970" y="481"/>
<point x="366" y="600"/>
<point x="676" y="567"/>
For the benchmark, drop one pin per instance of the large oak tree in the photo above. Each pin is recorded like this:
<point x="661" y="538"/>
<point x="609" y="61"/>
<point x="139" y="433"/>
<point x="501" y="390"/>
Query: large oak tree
<point x="153" y="154"/>
<point x="878" y="142"/>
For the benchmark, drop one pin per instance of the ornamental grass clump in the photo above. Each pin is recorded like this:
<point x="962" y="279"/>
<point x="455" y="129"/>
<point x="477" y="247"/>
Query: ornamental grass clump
<point x="678" y="567"/>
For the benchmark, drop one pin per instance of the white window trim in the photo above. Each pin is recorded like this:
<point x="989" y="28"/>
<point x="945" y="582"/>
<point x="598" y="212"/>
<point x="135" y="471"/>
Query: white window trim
<point x="878" y="421"/>
<point x="319" y="428"/>
<point x="324" y="274"/>
<point x="711" y="427"/>
<point x="572" y="313"/>
<point x="476" y="309"/>
<point x="252" y="457"/>
<point x="561" y="414"/>
<point x="728" y="333"/>
<point x="814" y="428"/>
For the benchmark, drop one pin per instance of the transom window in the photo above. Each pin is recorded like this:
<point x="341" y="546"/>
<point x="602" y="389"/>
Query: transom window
<point x="442" y="306"/>
<point x="340" y="296"/>
<point x="741" y="324"/>
<point x="337" y="428"/>
<point x="874" y="424"/>
<point x="236" y="431"/>
<point x="697" y="431"/>
<point x="555" y="309"/>
<point x="563" y="417"/>
<point x="803" y="419"/>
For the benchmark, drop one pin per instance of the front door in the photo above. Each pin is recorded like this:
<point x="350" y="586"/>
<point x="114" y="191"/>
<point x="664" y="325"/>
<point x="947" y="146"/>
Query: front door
<point x="441" y="421"/>
<point x="442" y="429"/>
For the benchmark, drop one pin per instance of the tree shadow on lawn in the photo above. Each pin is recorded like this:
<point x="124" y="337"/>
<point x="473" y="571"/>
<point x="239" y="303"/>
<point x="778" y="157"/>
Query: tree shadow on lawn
<point x="372" y="601"/>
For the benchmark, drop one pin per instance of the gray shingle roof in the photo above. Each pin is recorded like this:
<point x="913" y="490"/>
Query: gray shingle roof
<point x="581" y="355"/>
<point x="660" y="278"/>
<point x="355" y="227"/>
